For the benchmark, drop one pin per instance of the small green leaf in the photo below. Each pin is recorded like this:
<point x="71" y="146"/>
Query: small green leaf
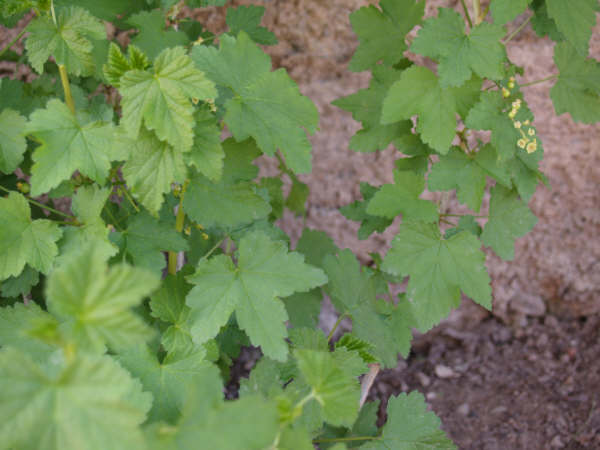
<point x="443" y="38"/>
<point x="410" y="426"/>
<point x="207" y="152"/>
<point x="247" y="18"/>
<point x="15" y="323"/>
<point x="357" y="211"/>
<point x="577" y="90"/>
<point x="504" y="11"/>
<point x="382" y="33"/>
<point x="510" y="218"/>
<point x="153" y="37"/>
<point x="402" y="197"/>
<point x="25" y="241"/>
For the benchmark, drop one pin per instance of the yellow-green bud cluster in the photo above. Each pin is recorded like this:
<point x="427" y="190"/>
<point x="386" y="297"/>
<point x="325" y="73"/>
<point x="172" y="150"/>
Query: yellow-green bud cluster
<point x="528" y="140"/>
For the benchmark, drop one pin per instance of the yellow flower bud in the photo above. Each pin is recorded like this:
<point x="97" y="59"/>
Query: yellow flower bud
<point x="522" y="143"/>
<point x="511" y="84"/>
<point x="526" y="122"/>
<point x="532" y="147"/>
<point x="505" y="92"/>
<point x="205" y="236"/>
<point x="517" y="124"/>
<point x="512" y="113"/>
<point x="531" y="132"/>
<point x="187" y="231"/>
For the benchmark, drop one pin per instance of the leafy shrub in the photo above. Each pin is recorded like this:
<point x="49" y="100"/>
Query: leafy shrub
<point x="114" y="345"/>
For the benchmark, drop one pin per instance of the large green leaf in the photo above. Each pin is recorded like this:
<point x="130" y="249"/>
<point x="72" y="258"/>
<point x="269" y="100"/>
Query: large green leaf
<point x="265" y="271"/>
<point x="410" y="426"/>
<point x="94" y="302"/>
<point x="88" y="403"/>
<point x="69" y="40"/>
<point x="365" y="106"/>
<point x="12" y="140"/>
<point x="169" y="381"/>
<point x="247" y="18"/>
<point x="575" y="19"/>
<point x="467" y="174"/>
<point x="577" y="90"/>
<point x="504" y="11"/>
<point x="443" y="38"/>
<point x="15" y="324"/>
<point x="418" y="91"/>
<point x="162" y="98"/>
<point x="69" y="143"/>
<point x="439" y="269"/>
<point x="151" y="168"/>
<point x="382" y="33"/>
<point x="264" y="105"/>
<point x="510" y="218"/>
<point x="25" y="241"/>
<point x="153" y="37"/>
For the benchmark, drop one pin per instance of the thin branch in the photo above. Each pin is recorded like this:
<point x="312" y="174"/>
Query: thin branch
<point x="467" y="15"/>
<point x="549" y="77"/>
<point x="11" y="43"/>
<point x="42" y="205"/>
<point x="517" y="30"/>
<point x="367" y="382"/>
<point x="337" y="323"/>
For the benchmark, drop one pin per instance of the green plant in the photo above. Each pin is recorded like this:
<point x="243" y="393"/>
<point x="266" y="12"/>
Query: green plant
<point x="108" y="344"/>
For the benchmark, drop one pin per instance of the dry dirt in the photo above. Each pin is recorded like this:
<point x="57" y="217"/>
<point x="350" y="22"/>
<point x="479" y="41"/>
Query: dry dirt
<point x="528" y="376"/>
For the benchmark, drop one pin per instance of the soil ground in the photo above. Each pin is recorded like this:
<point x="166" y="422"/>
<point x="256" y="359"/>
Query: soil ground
<point x="528" y="376"/>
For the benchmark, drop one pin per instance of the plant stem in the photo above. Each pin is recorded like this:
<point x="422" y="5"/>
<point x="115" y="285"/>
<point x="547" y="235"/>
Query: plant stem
<point x="518" y="29"/>
<point x="216" y="246"/>
<point x="467" y="15"/>
<point x="549" y="77"/>
<point x="461" y="215"/>
<point x="64" y="78"/>
<point x="367" y="382"/>
<point x="337" y="323"/>
<point x="477" y="11"/>
<point x="11" y="43"/>
<point x="346" y="439"/>
<point x="42" y="205"/>
<point x="179" y="222"/>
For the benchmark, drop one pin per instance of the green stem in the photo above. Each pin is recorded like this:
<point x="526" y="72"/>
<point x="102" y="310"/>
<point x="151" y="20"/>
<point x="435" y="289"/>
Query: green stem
<point x="179" y="222"/>
<point x="518" y="29"/>
<point x="477" y="11"/>
<point x="11" y="43"/>
<point x="64" y="78"/>
<point x="216" y="246"/>
<point x="467" y="15"/>
<point x="461" y="215"/>
<point x="347" y="439"/>
<point x="337" y="323"/>
<point x="128" y="197"/>
<point x="549" y="77"/>
<point x="41" y="205"/>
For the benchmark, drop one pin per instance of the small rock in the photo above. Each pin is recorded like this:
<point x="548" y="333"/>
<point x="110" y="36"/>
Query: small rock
<point x="431" y="396"/>
<point x="499" y="410"/>
<point x="445" y="372"/>
<point x="464" y="409"/>
<point x="529" y="305"/>
<point x="557" y="442"/>
<point x="423" y="379"/>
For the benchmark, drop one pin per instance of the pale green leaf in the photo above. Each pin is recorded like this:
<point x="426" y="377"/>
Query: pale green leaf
<point x="89" y="403"/>
<point x="162" y="98"/>
<point x="94" y="302"/>
<point x="335" y="391"/>
<point x="25" y="241"/>
<point x="15" y="323"/>
<point x="69" y="41"/>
